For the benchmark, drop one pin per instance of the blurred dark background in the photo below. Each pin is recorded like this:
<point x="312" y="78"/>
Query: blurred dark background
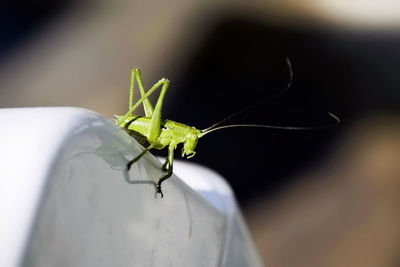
<point x="221" y="58"/>
<point x="242" y="61"/>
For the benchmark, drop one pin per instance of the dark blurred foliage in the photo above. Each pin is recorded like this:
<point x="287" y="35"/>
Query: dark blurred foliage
<point x="352" y="74"/>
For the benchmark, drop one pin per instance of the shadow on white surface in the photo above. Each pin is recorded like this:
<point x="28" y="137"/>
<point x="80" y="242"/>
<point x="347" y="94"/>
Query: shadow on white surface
<point x="69" y="200"/>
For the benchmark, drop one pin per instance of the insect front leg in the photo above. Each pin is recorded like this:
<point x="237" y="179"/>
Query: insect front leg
<point x="138" y="157"/>
<point x="169" y="161"/>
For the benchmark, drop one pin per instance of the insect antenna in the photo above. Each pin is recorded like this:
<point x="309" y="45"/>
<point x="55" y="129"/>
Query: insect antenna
<point x="337" y="120"/>
<point x="256" y="104"/>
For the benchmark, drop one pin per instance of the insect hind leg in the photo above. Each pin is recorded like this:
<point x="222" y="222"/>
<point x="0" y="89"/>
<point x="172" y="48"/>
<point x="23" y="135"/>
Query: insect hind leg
<point x="148" y="108"/>
<point x="144" y="97"/>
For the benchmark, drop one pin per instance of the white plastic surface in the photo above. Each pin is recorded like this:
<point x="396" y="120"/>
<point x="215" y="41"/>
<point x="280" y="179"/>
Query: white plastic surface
<point x="67" y="199"/>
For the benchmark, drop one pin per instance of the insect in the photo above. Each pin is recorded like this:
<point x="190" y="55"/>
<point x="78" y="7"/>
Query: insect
<point x="161" y="133"/>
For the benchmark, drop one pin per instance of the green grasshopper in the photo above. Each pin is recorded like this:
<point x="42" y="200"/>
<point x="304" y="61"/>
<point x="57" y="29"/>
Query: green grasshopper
<point x="160" y="133"/>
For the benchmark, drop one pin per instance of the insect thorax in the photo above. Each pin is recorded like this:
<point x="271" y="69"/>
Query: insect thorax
<point x="172" y="133"/>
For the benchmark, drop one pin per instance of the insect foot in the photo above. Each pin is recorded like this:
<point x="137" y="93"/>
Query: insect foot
<point x="159" y="191"/>
<point x="164" y="168"/>
<point x="128" y="166"/>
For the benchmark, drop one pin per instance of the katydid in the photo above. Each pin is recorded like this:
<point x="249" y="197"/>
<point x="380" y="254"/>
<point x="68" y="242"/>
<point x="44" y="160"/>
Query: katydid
<point x="161" y="133"/>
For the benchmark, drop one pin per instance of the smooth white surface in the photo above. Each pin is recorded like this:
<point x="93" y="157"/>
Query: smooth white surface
<point x="68" y="200"/>
<point x="208" y="183"/>
<point x="239" y="249"/>
<point x="29" y="139"/>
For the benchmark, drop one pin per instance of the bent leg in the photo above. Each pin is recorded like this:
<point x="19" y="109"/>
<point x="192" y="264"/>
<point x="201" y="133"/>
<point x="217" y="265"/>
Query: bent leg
<point x="143" y="98"/>
<point x="170" y="161"/>
<point x="154" y="130"/>
<point x="138" y="157"/>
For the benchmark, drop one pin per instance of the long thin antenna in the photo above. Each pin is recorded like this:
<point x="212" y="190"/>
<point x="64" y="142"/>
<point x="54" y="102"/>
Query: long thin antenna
<point x="243" y="110"/>
<point x="337" y="120"/>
